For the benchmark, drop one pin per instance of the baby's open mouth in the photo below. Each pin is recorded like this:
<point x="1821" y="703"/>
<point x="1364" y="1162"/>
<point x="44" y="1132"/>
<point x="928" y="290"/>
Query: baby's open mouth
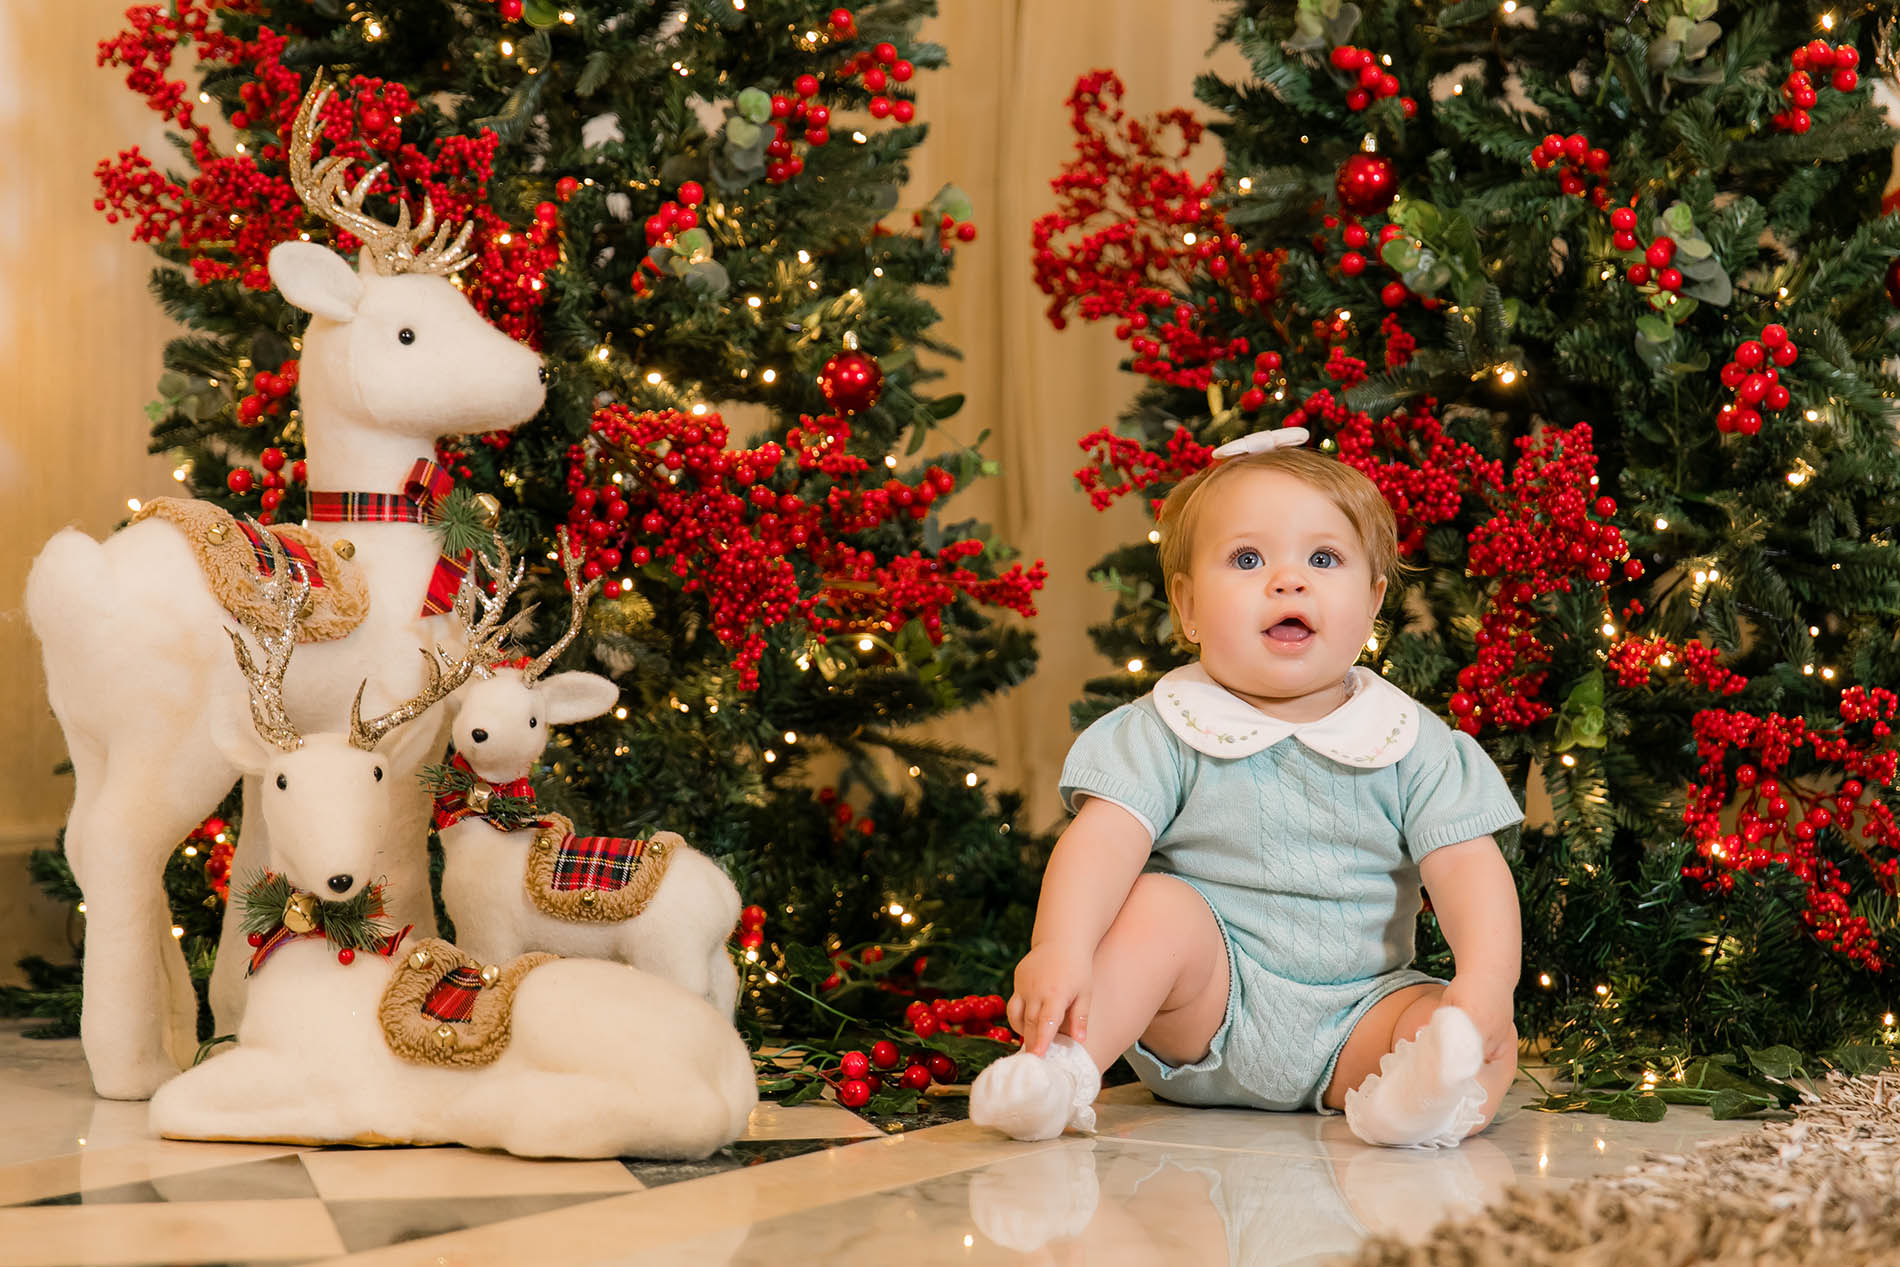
<point x="1292" y="629"/>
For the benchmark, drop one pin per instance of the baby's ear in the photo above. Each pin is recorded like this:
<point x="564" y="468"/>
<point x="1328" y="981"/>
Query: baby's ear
<point x="571" y="697"/>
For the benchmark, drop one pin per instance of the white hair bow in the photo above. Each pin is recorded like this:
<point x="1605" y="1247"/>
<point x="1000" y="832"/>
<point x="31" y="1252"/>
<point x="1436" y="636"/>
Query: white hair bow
<point x="1263" y="442"/>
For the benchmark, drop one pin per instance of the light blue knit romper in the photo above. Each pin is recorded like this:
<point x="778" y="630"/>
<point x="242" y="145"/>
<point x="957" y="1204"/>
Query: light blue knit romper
<point x="1310" y="866"/>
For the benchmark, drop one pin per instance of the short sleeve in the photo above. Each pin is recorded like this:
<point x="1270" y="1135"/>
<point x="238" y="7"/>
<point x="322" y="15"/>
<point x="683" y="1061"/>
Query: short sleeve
<point x="1454" y="795"/>
<point x="1129" y="758"/>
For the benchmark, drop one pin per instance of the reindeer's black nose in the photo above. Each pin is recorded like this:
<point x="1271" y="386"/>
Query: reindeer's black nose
<point x="478" y="735"/>
<point x="542" y="374"/>
<point x="342" y="883"/>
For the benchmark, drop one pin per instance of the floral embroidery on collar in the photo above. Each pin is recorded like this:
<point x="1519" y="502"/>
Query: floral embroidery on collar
<point x="1376" y="726"/>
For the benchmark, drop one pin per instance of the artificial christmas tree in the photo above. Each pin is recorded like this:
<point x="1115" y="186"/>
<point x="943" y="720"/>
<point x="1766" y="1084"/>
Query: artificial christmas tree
<point x="682" y="209"/>
<point x="1595" y="293"/>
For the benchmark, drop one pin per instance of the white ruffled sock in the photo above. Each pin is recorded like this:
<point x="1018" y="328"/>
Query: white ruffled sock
<point x="1034" y="1097"/>
<point x="1426" y="1093"/>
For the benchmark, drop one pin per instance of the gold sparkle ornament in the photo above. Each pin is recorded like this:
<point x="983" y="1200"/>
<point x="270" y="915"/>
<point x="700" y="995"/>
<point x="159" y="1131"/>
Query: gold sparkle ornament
<point x="479" y="797"/>
<point x="490" y="506"/>
<point x="490" y="974"/>
<point x="300" y="913"/>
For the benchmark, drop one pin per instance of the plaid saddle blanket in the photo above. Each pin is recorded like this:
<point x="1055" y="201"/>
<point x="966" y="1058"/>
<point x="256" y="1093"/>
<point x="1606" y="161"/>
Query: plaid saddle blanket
<point x="595" y="879"/>
<point x="443" y="1008"/>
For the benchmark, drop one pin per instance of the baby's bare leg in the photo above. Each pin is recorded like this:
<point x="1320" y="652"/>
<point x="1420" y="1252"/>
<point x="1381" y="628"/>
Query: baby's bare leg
<point x="1160" y="975"/>
<point x="1400" y="1016"/>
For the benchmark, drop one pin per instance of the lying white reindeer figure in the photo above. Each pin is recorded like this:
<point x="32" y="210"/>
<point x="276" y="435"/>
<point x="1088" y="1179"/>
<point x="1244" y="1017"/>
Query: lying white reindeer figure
<point x="372" y="1041"/>
<point x="132" y="628"/>
<point x="515" y="880"/>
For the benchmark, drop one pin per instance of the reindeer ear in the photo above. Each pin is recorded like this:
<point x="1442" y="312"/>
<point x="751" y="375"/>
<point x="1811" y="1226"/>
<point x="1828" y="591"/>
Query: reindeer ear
<point x="569" y="697"/>
<point x="316" y="279"/>
<point x="236" y="738"/>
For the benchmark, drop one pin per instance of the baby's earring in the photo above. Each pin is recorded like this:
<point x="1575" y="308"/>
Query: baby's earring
<point x="1194" y="635"/>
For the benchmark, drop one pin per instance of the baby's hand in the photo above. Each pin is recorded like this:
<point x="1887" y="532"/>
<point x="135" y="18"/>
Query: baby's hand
<point x="1052" y="987"/>
<point x="1488" y="1004"/>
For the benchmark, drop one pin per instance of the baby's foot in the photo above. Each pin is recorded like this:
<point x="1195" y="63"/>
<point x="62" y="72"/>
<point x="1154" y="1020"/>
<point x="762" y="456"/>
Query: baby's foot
<point x="1426" y="1093"/>
<point x="1027" y="1201"/>
<point x="1026" y="1096"/>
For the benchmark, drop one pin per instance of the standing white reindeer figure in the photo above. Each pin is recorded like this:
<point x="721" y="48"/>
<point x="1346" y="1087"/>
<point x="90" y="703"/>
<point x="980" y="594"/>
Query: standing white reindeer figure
<point x="132" y="629"/>
<point x="514" y="880"/>
<point x="376" y="1041"/>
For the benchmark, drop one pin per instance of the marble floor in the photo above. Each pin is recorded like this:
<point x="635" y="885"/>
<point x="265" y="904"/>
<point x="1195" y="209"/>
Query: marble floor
<point x="83" y="1182"/>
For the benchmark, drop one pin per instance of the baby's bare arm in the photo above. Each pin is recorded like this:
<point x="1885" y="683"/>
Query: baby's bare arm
<point x="1476" y="903"/>
<point x="1089" y="876"/>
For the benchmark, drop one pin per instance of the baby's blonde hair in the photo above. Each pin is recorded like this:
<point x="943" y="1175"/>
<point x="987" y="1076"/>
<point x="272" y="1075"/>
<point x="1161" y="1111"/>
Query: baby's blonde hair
<point x="1357" y="497"/>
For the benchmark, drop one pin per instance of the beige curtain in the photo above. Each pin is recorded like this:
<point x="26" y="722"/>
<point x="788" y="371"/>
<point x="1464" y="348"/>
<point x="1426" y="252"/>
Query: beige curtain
<point x="80" y="340"/>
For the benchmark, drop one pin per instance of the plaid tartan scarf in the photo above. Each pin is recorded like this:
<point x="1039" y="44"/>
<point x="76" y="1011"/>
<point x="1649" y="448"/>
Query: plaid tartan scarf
<point x="452" y="807"/>
<point x="421" y="493"/>
<point x="279" y="937"/>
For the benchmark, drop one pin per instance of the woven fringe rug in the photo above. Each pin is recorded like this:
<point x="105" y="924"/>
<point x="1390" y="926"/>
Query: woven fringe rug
<point x="1820" y="1191"/>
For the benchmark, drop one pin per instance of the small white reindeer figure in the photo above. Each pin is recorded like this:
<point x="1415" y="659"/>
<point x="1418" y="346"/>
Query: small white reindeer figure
<point x="131" y="630"/>
<point x="506" y="883"/>
<point x="377" y="1042"/>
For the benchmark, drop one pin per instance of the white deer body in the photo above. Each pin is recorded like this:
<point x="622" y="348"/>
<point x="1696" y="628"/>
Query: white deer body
<point x="682" y="932"/>
<point x="135" y="649"/>
<point x="600" y="1060"/>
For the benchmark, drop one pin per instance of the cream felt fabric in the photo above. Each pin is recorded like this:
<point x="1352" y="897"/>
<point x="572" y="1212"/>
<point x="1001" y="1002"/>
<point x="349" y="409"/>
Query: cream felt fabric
<point x="136" y="653"/>
<point x="682" y="932"/>
<point x="604" y="1061"/>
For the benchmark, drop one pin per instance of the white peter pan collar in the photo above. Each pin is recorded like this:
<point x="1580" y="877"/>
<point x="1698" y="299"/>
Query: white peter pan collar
<point x="1377" y="725"/>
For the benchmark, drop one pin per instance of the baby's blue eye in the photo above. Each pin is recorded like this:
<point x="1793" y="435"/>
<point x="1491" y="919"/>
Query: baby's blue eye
<point x="1327" y="554"/>
<point x="1246" y="559"/>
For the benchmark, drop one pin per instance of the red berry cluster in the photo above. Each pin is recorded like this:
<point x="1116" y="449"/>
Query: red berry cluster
<point x="274" y="481"/>
<point x="228" y="216"/>
<point x="844" y="818"/>
<point x="1655" y="265"/>
<point x="673" y="219"/>
<point x="877" y="68"/>
<point x="204" y="837"/>
<point x="1137" y="466"/>
<point x="752" y="927"/>
<point x="1779" y="821"/>
<point x="973" y="1015"/>
<point x="1131" y="228"/>
<point x="1632" y="659"/>
<point x="1798" y="90"/>
<point x="1546" y="533"/>
<point x="1580" y="160"/>
<point x="1427" y="473"/>
<point x="841" y="961"/>
<point x="268" y="395"/>
<point x="1756" y="383"/>
<point x="1360" y="67"/>
<point x="729" y="525"/>
<point x="860" y="1074"/>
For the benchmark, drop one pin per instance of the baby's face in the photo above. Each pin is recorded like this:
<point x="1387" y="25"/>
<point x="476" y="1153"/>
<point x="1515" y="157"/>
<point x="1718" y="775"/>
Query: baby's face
<point x="1280" y="592"/>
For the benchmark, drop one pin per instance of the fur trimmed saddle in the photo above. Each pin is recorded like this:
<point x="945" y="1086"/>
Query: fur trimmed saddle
<point x="443" y="1008"/>
<point x="595" y="879"/>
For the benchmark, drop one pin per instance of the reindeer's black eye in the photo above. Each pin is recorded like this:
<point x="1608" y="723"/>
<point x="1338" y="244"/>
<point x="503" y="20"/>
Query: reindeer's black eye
<point x="533" y="722"/>
<point x="378" y="772"/>
<point x="282" y="783"/>
<point x="405" y="336"/>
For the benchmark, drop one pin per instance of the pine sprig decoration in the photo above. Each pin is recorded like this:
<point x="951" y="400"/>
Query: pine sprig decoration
<point x="507" y="812"/>
<point x="347" y="925"/>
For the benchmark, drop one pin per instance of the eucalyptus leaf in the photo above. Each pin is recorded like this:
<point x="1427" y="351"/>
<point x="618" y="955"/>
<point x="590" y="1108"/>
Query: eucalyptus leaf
<point x="743" y="132"/>
<point x="1655" y="328"/>
<point x="755" y="104"/>
<point x="1695" y="248"/>
<point x="1401" y="254"/>
<point x="1679" y="220"/>
<point x="709" y="277"/>
<point x="1700" y="39"/>
<point x="694" y="241"/>
<point x="541" y="13"/>
<point x="172" y="384"/>
<point x="1662" y="54"/>
<point x="1715" y="290"/>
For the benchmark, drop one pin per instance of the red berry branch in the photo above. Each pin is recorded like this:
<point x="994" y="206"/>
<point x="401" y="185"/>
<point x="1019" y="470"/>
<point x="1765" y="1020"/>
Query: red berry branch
<point x="1815" y="58"/>
<point x="729" y="525"/>
<point x="1132" y="232"/>
<point x="1782" y="823"/>
<point x="224" y="220"/>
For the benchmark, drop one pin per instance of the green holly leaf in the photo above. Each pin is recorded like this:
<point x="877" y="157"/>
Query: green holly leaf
<point x="809" y="1091"/>
<point x="755" y="104"/>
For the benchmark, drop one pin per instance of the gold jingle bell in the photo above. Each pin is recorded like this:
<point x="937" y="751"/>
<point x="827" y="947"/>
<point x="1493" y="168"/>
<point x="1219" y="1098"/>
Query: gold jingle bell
<point x="490" y="506"/>
<point x="490" y="974"/>
<point x="478" y="798"/>
<point x="216" y="533"/>
<point x="420" y="959"/>
<point x="589" y="897"/>
<point x="445" y="1035"/>
<point x="344" y="549"/>
<point x="300" y="912"/>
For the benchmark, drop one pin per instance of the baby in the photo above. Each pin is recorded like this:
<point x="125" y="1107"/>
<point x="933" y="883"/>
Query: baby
<point x="1234" y="912"/>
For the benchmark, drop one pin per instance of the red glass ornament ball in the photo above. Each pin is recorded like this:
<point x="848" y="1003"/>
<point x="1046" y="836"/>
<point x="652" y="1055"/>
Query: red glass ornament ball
<point x="884" y="1054"/>
<point x="854" y="1093"/>
<point x="1367" y="183"/>
<point x="851" y="381"/>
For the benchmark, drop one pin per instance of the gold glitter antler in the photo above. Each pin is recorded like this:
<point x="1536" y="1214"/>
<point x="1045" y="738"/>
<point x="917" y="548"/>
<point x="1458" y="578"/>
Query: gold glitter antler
<point x="390" y="249"/>
<point x="486" y="641"/>
<point x="286" y="591"/>
<point x="571" y="563"/>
